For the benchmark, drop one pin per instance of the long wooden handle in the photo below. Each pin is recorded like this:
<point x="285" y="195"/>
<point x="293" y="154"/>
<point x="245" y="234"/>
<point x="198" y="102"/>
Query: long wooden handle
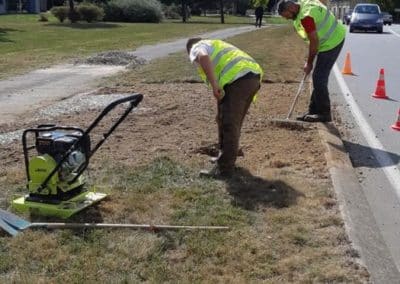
<point x="127" y="226"/>
<point x="296" y="97"/>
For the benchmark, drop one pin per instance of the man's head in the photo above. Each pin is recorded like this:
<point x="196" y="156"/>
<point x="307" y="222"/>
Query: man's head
<point x="191" y="42"/>
<point x="288" y="9"/>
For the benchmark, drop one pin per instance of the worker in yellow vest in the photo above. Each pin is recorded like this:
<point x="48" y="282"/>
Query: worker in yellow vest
<point x="325" y="36"/>
<point x="234" y="78"/>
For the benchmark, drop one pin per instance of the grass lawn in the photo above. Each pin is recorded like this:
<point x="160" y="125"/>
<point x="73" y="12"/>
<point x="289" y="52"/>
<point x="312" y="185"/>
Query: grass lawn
<point x="274" y="50"/>
<point x="26" y="43"/>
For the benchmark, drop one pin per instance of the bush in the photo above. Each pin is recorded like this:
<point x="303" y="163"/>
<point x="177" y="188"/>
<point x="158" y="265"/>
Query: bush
<point x="172" y="11"/>
<point x="43" y="17"/>
<point x="73" y="15"/>
<point x="89" y="12"/>
<point x="147" y="11"/>
<point x="60" y="13"/>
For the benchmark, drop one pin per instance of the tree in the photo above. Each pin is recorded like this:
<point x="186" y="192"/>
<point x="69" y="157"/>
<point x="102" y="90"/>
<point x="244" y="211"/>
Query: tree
<point x="184" y="9"/>
<point x="256" y="3"/>
<point x="73" y="15"/>
<point x="221" y="10"/>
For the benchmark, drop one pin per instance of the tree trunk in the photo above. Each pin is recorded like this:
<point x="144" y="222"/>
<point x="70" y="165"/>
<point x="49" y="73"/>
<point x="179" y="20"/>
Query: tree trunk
<point x="71" y="5"/>
<point x="183" y="11"/>
<point x="73" y="16"/>
<point x="222" y="11"/>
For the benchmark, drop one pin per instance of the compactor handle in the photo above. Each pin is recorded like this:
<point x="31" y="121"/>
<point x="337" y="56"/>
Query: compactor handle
<point x="134" y="100"/>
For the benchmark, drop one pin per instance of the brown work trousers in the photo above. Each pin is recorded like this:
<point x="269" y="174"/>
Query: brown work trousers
<point x="231" y="112"/>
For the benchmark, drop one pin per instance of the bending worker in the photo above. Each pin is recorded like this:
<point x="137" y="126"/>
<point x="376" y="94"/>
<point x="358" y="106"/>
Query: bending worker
<point x="325" y="34"/>
<point x="235" y="79"/>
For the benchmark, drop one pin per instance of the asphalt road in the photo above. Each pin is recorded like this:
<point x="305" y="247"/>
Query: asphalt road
<point x="373" y="146"/>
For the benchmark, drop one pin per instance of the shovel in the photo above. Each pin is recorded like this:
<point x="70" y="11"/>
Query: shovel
<point x="13" y="225"/>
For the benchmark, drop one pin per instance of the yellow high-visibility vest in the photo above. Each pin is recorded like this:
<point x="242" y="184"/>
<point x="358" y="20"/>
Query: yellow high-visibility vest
<point x="229" y="62"/>
<point x="330" y="31"/>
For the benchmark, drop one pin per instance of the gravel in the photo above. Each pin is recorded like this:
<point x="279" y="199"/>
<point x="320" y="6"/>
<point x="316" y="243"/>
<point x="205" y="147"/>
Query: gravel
<point x="115" y="58"/>
<point x="74" y="104"/>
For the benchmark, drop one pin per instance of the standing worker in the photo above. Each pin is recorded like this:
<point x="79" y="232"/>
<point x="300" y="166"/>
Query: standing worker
<point x="259" y="12"/>
<point x="235" y="78"/>
<point x="325" y="34"/>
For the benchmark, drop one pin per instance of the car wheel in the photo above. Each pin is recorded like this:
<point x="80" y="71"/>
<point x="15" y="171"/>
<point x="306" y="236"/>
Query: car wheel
<point x="390" y="24"/>
<point x="351" y="29"/>
<point x="380" y="30"/>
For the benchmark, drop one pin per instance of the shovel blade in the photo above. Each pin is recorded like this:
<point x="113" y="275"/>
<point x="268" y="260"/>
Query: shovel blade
<point x="9" y="229"/>
<point x="13" y="220"/>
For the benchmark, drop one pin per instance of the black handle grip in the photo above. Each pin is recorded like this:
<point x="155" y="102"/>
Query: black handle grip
<point x="134" y="99"/>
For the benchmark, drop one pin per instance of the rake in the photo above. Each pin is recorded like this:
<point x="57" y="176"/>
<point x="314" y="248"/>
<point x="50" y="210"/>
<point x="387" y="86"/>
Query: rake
<point x="13" y="225"/>
<point x="288" y="122"/>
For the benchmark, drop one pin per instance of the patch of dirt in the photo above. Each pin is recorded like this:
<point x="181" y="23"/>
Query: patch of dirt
<point x="178" y="121"/>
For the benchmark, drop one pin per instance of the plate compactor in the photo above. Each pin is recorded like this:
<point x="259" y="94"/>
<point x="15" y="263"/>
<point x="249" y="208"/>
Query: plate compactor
<point x="56" y="184"/>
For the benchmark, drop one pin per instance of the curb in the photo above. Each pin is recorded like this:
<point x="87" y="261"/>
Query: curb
<point x="360" y="224"/>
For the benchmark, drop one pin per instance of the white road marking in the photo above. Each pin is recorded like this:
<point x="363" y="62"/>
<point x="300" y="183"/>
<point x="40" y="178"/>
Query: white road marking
<point x="393" y="32"/>
<point x="391" y="172"/>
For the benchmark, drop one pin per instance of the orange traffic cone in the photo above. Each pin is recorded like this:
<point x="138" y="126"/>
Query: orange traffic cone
<point x="396" y="126"/>
<point x="380" y="91"/>
<point x="347" y="65"/>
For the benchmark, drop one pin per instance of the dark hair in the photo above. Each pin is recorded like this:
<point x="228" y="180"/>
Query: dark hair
<point x="284" y="4"/>
<point x="191" y="42"/>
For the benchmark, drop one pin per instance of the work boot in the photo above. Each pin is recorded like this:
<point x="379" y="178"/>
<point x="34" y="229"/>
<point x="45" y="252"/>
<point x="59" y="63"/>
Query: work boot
<point x="315" y="118"/>
<point x="215" y="173"/>
<point x="215" y="159"/>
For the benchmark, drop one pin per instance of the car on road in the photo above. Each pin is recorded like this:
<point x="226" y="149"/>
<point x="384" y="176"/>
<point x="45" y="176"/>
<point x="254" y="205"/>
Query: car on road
<point x="387" y="18"/>
<point x="366" y="17"/>
<point x="347" y="17"/>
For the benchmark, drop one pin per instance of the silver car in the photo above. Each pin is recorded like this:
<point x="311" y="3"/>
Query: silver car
<point x="387" y="18"/>
<point x="366" y="17"/>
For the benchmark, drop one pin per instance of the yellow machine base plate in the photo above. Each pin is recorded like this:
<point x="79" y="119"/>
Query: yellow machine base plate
<point x="64" y="210"/>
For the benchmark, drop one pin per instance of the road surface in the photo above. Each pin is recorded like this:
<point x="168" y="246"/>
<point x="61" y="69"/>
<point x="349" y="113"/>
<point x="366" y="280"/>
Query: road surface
<point x="373" y="146"/>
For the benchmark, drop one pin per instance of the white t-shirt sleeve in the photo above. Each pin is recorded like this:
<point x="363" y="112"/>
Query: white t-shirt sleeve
<point x="200" y="48"/>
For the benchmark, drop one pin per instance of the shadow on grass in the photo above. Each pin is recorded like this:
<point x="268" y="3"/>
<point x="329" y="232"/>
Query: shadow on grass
<point x="250" y="191"/>
<point x="3" y="34"/>
<point x="84" y="26"/>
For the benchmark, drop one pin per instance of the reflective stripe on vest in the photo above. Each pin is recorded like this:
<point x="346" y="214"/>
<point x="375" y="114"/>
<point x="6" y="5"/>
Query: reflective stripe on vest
<point x="222" y="53"/>
<point x="232" y="63"/>
<point x="330" y="32"/>
<point x="229" y="63"/>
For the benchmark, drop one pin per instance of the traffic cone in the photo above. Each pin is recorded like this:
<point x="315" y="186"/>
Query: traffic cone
<point x="380" y="91"/>
<point x="347" y="65"/>
<point x="396" y="126"/>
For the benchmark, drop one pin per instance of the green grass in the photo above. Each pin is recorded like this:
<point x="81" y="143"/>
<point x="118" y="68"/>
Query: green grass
<point x="272" y="48"/>
<point x="26" y="43"/>
<point x="285" y="249"/>
<point x="236" y="20"/>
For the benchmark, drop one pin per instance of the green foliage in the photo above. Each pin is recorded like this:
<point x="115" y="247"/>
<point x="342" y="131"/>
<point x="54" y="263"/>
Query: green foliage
<point x="43" y="17"/>
<point x="144" y="11"/>
<point x="257" y="3"/>
<point x="60" y="12"/>
<point x="172" y="11"/>
<point x="242" y="6"/>
<point x="73" y="15"/>
<point x="387" y="5"/>
<point x="90" y="12"/>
